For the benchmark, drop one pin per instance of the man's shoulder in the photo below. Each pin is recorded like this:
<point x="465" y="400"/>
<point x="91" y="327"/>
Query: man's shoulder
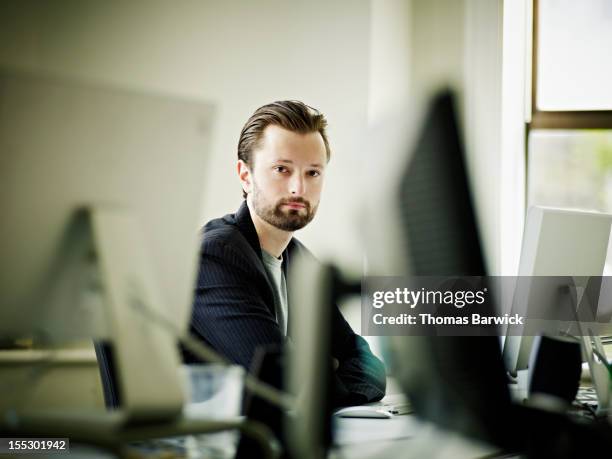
<point x="220" y="229"/>
<point x="222" y="236"/>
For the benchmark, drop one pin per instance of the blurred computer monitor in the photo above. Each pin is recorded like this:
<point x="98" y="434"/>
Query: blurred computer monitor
<point x="561" y="248"/>
<point x="309" y="371"/>
<point x="445" y="377"/>
<point x="100" y="191"/>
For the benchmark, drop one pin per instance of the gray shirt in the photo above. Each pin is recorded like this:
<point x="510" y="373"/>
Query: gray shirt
<point x="274" y="269"/>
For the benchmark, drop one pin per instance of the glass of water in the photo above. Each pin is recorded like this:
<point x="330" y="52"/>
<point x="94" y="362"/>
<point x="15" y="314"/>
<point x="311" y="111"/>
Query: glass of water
<point x="213" y="392"/>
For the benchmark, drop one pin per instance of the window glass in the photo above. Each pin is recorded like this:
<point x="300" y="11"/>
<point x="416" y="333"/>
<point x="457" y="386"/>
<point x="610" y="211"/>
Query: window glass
<point x="574" y="58"/>
<point x="571" y="169"/>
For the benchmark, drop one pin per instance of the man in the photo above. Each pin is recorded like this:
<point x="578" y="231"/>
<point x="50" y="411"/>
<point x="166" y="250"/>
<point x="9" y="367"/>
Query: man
<point x="241" y="294"/>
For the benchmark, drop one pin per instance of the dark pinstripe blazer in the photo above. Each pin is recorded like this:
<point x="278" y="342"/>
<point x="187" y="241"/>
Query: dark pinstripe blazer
<point x="233" y="310"/>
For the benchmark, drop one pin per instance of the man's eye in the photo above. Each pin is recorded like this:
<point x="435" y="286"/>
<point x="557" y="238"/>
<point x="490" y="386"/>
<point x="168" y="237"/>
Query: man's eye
<point x="314" y="173"/>
<point x="280" y="169"/>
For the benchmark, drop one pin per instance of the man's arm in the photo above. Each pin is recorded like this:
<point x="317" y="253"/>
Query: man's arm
<point x="361" y="376"/>
<point x="231" y="315"/>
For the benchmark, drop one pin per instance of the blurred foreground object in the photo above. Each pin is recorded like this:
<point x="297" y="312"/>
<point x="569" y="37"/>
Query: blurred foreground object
<point x="100" y="190"/>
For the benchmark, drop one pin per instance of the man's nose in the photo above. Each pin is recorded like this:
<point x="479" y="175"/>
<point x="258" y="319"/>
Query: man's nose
<point x="297" y="186"/>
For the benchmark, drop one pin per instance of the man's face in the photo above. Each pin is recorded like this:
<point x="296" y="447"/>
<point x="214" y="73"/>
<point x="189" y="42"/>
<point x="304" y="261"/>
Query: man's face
<point x="284" y="185"/>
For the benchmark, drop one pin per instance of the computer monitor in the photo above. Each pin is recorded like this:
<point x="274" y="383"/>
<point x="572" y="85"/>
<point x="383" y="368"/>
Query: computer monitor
<point x="560" y="247"/>
<point x="445" y="377"/>
<point x="100" y="192"/>
<point x="309" y="370"/>
<point x="457" y="382"/>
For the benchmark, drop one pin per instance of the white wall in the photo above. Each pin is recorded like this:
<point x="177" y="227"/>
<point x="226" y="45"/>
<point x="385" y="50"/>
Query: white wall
<point x="458" y="43"/>
<point x="482" y="105"/>
<point x="516" y="110"/>
<point x="390" y="58"/>
<point x="238" y="54"/>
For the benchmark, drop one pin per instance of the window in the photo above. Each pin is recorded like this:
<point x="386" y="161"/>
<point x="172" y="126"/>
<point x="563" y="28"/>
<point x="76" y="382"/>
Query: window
<point x="569" y="136"/>
<point x="574" y="69"/>
<point x="570" y="168"/>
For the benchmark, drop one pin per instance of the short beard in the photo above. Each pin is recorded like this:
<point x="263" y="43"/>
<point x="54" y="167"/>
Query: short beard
<point x="290" y="220"/>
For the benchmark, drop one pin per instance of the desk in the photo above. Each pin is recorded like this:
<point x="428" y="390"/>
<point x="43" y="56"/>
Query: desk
<point x="402" y="436"/>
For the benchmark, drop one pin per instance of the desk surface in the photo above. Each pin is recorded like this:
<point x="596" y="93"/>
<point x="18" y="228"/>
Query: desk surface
<point x="402" y="436"/>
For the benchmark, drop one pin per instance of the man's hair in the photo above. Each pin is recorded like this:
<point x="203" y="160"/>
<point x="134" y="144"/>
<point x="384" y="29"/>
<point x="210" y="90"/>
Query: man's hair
<point x="292" y="115"/>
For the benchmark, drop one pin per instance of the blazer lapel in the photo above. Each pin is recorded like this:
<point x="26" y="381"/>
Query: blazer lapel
<point x="244" y="222"/>
<point x="247" y="228"/>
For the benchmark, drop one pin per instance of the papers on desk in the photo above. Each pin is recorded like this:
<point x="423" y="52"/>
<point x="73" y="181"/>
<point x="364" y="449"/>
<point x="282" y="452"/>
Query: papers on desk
<point x="396" y="404"/>
<point x="390" y="405"/>
<point x="349" y="431"/>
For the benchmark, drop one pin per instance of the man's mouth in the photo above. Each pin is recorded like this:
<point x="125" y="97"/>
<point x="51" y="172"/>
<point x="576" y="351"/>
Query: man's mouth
<point x="295" y="205"/>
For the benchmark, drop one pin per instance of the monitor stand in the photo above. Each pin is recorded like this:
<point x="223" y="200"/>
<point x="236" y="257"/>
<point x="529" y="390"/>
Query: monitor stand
<point x="599" y="372"/>
<point x="593" y="352"/>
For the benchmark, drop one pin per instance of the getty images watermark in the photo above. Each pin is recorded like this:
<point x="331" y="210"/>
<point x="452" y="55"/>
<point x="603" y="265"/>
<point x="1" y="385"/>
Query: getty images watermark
<point x="529" y="306"/>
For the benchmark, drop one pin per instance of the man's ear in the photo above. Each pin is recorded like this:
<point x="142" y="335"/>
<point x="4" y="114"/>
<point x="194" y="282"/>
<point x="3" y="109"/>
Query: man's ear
<point x="244" y="174"/>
